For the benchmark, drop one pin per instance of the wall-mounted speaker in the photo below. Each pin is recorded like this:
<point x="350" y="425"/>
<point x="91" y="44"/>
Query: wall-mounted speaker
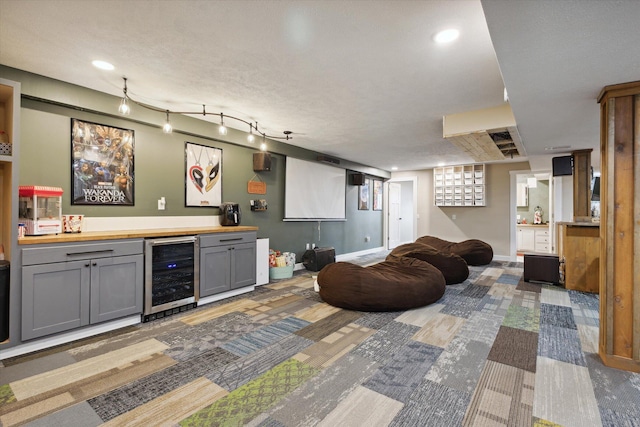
<point x="357" y="178"/>
<point x="261" y="162"/>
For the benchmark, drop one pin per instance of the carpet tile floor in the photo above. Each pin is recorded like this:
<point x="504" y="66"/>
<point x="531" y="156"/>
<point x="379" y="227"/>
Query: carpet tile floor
<point x="494" y="351"/>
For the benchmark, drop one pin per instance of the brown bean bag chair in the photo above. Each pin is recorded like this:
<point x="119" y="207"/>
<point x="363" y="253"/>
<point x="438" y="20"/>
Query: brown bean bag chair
<point x="392" y="285"/>
<point x="452" y="266"/>
<point x="473" y="251"/>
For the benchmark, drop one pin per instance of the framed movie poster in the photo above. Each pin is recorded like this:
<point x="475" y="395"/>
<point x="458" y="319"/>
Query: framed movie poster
<point x="203" y="182"/>
<point x="102" y="164"/>
<point x="377" y="195"/>
<point x="363" y="196"/>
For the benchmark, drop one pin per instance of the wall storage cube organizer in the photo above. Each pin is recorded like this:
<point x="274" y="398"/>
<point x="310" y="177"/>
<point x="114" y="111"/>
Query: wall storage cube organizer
<point x="449" y="183"/>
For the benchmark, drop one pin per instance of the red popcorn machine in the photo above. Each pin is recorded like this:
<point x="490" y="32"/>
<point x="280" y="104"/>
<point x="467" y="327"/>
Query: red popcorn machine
<point x="40" y="209"/>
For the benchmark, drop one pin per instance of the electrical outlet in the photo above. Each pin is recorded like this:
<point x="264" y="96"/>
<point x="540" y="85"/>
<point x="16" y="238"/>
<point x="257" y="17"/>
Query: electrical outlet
<point x="367" y="238"/>
<point x="161" y="204"/>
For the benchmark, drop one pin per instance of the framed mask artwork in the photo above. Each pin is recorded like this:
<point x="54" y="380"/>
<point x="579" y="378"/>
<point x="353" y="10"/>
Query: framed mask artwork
<point x="203" y="180"/>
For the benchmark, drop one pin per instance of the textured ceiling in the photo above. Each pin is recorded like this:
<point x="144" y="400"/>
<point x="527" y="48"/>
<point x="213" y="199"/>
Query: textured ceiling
<point x="361" y="80"/>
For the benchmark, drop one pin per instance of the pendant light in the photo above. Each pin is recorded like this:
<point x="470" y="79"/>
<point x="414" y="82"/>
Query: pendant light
<point x="167" y="128"/>
<point x="222" y="129"/>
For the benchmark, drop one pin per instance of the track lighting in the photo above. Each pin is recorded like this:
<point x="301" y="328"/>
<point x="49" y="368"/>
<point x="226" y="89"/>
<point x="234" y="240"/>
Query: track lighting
<point x="167" y="128"/>
<point x="263" y="145"/>
<point x="222" y="129"/>
<point x="125" y="108"/>
<point x="250" y="137"/>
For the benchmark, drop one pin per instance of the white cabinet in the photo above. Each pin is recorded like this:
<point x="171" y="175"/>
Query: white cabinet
<point x="461" y="185"/>
<point x="532" y="239"/>
<point x="522" y="196"/>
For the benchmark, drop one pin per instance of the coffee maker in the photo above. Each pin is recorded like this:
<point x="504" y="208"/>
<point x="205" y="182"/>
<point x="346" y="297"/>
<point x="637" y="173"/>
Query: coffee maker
<point x="230" y="213"/>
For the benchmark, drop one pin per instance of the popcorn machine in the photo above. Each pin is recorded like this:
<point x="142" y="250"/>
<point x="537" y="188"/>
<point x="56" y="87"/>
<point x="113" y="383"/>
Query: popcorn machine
<point x="40" y="209"/>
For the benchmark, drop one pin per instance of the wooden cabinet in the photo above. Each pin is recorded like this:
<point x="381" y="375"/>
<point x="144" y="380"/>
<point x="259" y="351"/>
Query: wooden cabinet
<point x="462" y="185"/>
<point x="9" y="173"/>
<point x="227" y="261"/>
<point x="69" y="286"/>
<point x="579" y="253"/>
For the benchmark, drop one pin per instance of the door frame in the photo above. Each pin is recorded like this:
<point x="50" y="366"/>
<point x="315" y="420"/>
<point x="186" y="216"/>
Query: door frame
<point x="414" y="181"/>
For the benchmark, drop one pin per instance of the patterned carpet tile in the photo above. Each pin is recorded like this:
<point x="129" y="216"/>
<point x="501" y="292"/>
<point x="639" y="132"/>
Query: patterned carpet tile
<point x="381" y="346"/>
<point x="526" y="299"/>
<point x="585" y="316"/>
<point x="264" y="336"/>
<point x="462" y="306"/>
<point x="585" y="299"/>
<point x="363" y="407"/>
<point x="378" y="320"/>
<point x="537" y="422"/>
<point x="515" y="347"/>
<point x="87" y="388"/>
<point x="503" y="397"/>
<point x="528" y="286"/>
<point x="460" y="365"/>
<point x="315" y="399"/>
<point x="172" y="407"/>
<point x="439" y="330"/>
<point x="60" y="377"/>
<point x="589" y="338"/>
<point x="613" y="388"/>
<point x="117" y="402"/>
<point x="190" y="341"/>
<point x="561" y="344"/>
<point x="317" y="312"/>
<point x="556" y="315"/>
<point x="210" y="313"/>
<point x="482" y="327"/>
<point x="502" y="290"/>
<point x="494" y="305"/>
<point x="253" y="398"/>
<point x="475" y="291"/>
<point x="564" y="395"/>
<point x="494" y="271"/>
<point x="521" y="317"/>
<point x="445" y="407"/>
<point x="509" y="279"/>
<point x="320" y="329"/>
<point x="404" y="371"/>
<point x="332" y="347"/>
<point x="612" y="418"/>
<point x="419" y="316"/>
<point x="247" y="368"/>
<point x="555" y="295"/>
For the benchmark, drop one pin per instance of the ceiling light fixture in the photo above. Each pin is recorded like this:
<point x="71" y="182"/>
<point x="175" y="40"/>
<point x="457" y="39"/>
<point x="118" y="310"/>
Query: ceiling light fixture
<point x="167" y="128"/>
<point x="250" y="137"/>
<point x="447" y="36"/>
<point x="394" y="168"/>
<point x="263" y="145"/>
<point x="103" y="65"/>
<point x="124" y="108"/>
<point x="221" y="129"/>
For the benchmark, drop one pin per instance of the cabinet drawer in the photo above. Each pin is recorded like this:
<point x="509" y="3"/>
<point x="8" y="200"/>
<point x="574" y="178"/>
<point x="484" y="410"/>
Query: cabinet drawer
<point x="227" y="238"/>
<point x="542" y="238"/>
<point x="62" y="253"/>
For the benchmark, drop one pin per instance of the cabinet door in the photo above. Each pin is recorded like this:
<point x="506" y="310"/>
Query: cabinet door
<point x="527" y="239"/>
<point x="215" y="270"/>
<point x="116" y="287"/>
<point x="55" y="298"/>
<point x="243" y="265"/>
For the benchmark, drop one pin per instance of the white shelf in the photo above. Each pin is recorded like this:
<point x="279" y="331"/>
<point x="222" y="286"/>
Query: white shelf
<point x="462" y="185"/>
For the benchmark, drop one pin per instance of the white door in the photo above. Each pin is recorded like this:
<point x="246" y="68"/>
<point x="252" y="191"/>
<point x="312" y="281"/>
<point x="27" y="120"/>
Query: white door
<point x="395" y="190"/>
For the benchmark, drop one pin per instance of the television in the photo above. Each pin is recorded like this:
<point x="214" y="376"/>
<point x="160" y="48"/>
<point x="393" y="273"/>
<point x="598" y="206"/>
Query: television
<point x="595" y="191"/>
<point x="562" y="165"/>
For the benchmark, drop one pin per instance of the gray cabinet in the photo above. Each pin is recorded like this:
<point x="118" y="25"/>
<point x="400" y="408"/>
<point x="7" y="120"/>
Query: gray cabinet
<point x="68" y="286"/>
<point x="227" y="261"/>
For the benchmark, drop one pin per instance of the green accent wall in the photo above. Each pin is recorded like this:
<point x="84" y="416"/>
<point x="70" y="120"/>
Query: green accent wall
<point x="538" y="196"/>
<point x="48" y="106"/>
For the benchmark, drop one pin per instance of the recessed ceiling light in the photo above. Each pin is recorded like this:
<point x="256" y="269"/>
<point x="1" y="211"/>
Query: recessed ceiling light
<point x="559" y="147"/>
<point x="394" y="168"/>
<point x="440" y="164"/>
<point x="446" y="36"/>
<point x="103" y="65"/>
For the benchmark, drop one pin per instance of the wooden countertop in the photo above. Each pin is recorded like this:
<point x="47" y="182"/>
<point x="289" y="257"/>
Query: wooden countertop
<point x="129" y="234"/>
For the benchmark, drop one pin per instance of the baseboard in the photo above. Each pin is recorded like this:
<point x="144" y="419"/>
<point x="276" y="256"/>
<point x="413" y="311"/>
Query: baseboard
<point x="351" y="255"/>
<point x="502" y="258"/>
